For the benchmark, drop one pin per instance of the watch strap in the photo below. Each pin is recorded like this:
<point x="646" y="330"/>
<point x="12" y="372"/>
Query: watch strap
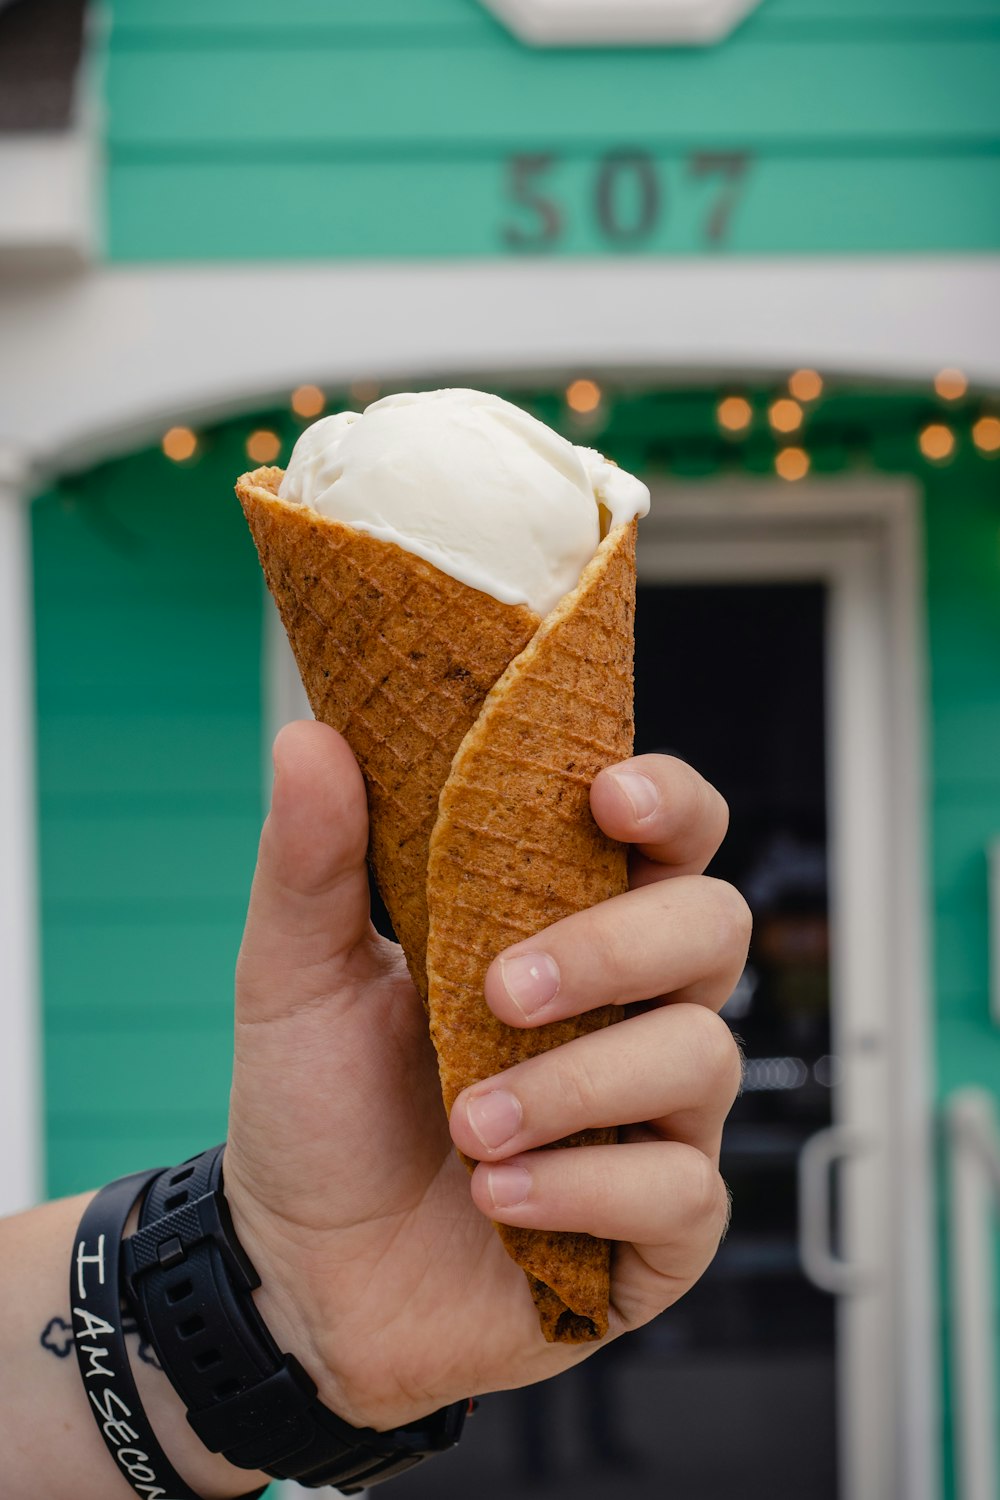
<point x="192" y="1284"/>
<point x="99" y="1340"/>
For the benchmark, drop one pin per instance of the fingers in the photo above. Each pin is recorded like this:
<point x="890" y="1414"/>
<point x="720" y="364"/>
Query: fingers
<point x="677" y="1070"/>
<point x="686" y="937"/>
<point x="663" y="806"/>
<point x="664" y="1197"/>
<point x="309" y="903"/>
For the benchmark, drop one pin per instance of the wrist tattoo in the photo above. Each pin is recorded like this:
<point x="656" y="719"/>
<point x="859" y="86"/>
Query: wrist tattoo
<point x="57" y="1338"/>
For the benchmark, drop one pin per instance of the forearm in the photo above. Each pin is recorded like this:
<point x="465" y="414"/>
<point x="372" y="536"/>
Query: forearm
<point x="48" y="1433"/>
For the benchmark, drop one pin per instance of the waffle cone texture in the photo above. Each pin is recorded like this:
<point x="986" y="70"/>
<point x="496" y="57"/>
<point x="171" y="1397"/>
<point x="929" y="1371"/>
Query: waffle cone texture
<point x="479" y="728"/>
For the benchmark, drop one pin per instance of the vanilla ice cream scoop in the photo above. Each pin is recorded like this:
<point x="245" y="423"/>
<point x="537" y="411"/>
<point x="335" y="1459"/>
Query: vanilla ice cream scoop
<point x="470" y="483"/>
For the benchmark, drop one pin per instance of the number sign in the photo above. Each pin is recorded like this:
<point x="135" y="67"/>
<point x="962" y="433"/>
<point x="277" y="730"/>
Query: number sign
<point x="628" y="202"/>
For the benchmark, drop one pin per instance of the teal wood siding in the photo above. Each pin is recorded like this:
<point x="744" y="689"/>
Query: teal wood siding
<point x="963" y="602"/>
<point x="149" y="769"/>
<point x="963" y="578"/>
<point x="327" y="128"/>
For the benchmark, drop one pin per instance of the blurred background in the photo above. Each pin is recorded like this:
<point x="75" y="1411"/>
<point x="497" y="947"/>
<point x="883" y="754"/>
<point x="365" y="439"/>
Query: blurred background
<point x="750" y="249"/>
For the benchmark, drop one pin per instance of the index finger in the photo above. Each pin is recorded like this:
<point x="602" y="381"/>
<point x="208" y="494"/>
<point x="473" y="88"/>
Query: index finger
<point x="661" y="805"/>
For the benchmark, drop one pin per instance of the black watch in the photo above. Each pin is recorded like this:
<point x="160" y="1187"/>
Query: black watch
<point x="190" y="1282"/>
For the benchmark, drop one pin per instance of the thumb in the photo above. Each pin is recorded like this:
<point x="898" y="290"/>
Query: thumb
<point x="309" y="903"/>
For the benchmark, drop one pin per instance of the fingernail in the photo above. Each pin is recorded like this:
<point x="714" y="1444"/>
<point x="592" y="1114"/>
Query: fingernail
<point x="508" y="1186"/>
<point x="495" y="1117"/>
<point x="530" y="979"/>
<point x="642" y="793"/>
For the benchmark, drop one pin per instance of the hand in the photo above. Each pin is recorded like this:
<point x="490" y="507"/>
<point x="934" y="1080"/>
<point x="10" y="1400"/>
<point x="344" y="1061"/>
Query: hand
<point x="381" y="1270"/>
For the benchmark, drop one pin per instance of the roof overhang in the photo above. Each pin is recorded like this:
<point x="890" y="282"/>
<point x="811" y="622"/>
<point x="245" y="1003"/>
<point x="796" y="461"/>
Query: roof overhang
<point x="621" y="23"/>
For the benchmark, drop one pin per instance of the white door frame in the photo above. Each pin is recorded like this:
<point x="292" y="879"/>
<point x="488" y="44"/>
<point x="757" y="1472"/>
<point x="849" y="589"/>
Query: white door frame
<point x="21" y="1160"/>
<point x="862" y="539"/>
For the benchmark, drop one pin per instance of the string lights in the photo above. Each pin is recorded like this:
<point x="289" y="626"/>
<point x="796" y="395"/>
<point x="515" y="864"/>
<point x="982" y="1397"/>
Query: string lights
<point x="362" y="393"/>
<point x="785" y="415"/>
<point x="950" y="384"/>
<point x="694" y="434"/>
<point x="263" y="446"/>
<point x="308" y="401"/>
<point x="583" y="396"/>
<point x="936" y="442"/>
<point x="734" y="414"/>
<point x="791" y="463"/>
<point x="805" y="385"/>
<point x="179" y="444"/>
<point x="986" y="434"/>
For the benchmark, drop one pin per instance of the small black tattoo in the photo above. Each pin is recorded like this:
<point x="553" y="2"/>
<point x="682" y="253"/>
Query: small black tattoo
<point x="146" y="1351"/>
<point x="57" y="1337"/>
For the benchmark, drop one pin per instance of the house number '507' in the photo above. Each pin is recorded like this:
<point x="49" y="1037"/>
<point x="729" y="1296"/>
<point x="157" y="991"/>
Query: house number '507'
<point x="628" y="197"/>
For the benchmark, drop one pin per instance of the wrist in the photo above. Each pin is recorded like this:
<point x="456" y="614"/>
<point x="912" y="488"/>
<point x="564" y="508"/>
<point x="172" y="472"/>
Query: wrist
<point x="292" y="1317"/>
<point x="359" y="1389"/>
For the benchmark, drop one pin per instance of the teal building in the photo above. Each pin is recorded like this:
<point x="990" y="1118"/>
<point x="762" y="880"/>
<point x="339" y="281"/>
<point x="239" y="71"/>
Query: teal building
<point x="751" y="251"/>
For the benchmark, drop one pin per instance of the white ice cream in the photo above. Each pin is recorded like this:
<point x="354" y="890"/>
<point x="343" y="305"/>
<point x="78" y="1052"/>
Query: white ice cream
<point x="470" y="483"/>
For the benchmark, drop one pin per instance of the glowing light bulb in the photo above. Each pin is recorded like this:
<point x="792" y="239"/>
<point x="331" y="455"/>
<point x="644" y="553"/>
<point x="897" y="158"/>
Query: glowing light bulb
<point x="363" y="393"/>
<point x="937" y="442"/>
<point x="583" y="396"/>
<point x="791" y="463"/>
<point x="806" y="385"/>
<point x="950" y="384"/>
<point x="263" y="446"/>
<point x="308" y="401"/>
<point x="179" y="444"/>
<point x="785" y="415"/>
<point x="734" y="414"/>
<point x="986" y="434"/>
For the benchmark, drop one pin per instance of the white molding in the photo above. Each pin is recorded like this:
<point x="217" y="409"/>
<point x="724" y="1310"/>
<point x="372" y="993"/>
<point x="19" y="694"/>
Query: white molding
<point x="621" y="23"/>
<point x="46" y="202"/>
<point x="863" y="537"/>
<point x="20" y="1051"/>
<point x="98" y="363"/>
<point x="973" y="1136"/>
<point x="284" y="698"/>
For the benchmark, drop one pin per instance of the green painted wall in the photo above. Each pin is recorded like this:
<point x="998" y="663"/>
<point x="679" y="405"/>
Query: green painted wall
<point x="149" y="768"/>
<point x="963" y="565"/>
<point x="963" y="601"/>
<point x="328" y="128"/>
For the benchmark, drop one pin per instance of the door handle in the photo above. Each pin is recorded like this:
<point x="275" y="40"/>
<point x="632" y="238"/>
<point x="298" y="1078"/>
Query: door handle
<point x="819" y="1261"/>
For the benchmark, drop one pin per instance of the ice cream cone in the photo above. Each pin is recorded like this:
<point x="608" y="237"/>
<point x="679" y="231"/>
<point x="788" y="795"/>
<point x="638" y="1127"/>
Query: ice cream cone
<point x="395" y="655"/>
<point x="478" y="728"/>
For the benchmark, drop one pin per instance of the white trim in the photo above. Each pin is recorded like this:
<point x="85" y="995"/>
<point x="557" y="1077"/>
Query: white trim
<point x="284" y="697"/>
<point x="46" y="198"/>
<point x="973" y="1135"/>
<point x="861" y="536"/>
<point x="20" y="1052"/>
<point x="97" y="364"/>
<point x="620" y="23"/>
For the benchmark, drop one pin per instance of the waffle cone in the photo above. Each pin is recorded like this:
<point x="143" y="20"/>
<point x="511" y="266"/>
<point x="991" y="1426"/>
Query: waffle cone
<point x="478" y="728"/>
<point x="398" y="657"/>
<point x="514" y="849"/>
